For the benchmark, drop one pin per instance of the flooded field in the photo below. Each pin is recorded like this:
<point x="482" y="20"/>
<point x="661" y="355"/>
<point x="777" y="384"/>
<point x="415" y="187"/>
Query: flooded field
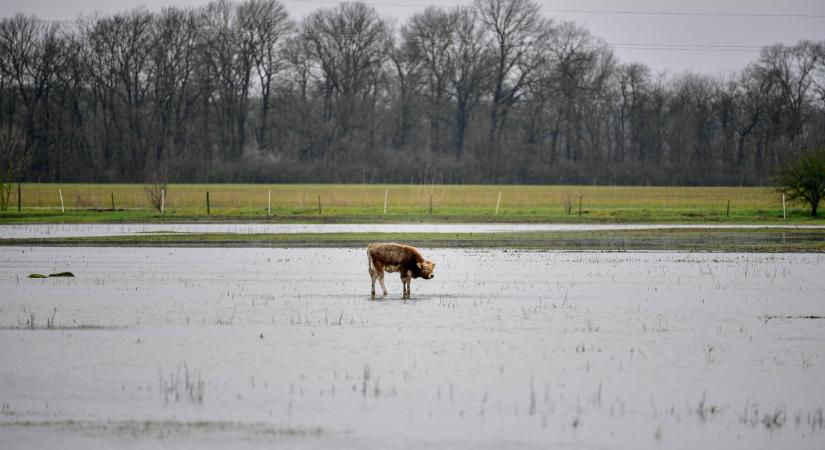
<point x="29" y="231"/>
<point x="255" y="347"/>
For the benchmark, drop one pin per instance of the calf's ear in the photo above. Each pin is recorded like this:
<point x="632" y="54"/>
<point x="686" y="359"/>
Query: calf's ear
<point x="420" y="266"/>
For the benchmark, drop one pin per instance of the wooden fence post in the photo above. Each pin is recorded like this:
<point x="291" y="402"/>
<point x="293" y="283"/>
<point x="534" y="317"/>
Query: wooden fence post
<point x="269" y="203"/>
<point x="62" y="207"/>
<point x="319" y="205"/>
<point x="19" y="197"/>
<point x="431" y="205"/>
<point x="498" y="203"/>
<point x="386" y="194"/>
<point x="113" y="202"/>
<point x="208" y="209"/>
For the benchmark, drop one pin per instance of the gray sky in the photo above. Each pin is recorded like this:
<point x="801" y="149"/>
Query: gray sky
<point x="709" y="36"/>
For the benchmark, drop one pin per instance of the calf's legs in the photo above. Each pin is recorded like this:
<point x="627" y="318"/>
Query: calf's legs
<point x="379" y="275"/>
<point x="381" y="280"/>
<point x="405" y="282"/>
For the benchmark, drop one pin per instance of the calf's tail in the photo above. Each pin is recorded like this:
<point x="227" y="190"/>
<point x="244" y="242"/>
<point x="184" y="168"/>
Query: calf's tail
<point x="369" y="260"/>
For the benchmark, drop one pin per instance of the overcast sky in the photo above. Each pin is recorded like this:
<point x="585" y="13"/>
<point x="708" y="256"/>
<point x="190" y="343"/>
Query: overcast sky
<point x="709" y="36"/>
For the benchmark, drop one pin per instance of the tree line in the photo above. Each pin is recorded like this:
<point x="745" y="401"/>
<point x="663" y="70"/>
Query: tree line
<point x="493" y="92"/>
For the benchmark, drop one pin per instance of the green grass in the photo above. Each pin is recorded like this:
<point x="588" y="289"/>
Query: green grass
<point x="698" y="239"/>
<point x="88" y="203"/>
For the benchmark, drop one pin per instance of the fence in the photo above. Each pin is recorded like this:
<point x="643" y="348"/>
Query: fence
<point x="268" y="200"/>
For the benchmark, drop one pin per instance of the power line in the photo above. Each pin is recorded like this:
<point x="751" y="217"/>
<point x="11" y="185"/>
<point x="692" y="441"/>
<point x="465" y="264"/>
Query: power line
<point x="684" y="49"/>
<point x="621" y="12"/>
<point x="680" y="47"/>
<point x="739" y="46"/>
<point x="596" y="11"/>
<point x="710" y="48"/>
<point x="685" y="13"/>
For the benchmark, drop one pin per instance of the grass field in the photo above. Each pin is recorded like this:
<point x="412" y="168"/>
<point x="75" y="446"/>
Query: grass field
<point x="405" y="203"/>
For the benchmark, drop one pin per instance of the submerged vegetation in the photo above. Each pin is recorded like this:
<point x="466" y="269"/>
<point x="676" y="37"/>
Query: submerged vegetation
<point x="634" y="350"/>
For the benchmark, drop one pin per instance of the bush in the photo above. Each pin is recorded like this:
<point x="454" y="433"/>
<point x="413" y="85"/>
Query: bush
<point x="803" y="178"/>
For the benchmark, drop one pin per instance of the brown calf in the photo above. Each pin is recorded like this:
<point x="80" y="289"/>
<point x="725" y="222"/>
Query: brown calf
<point x="397" y="258"/>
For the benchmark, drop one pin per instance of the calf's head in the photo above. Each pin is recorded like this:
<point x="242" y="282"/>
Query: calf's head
<point x="426" y="269"/>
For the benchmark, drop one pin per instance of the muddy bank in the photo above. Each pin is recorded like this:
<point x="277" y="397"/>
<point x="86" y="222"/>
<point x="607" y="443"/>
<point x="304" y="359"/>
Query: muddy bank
<point x="36" y="231"/>
<point x="687" y="239"/>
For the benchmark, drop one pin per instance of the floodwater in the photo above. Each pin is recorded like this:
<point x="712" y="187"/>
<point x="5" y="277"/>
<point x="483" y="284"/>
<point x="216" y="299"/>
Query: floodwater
<point x="253" y="348"/>
<point x="29" y="231"/>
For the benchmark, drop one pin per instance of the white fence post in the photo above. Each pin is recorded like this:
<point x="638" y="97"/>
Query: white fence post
<point x="498" y="202"/>
<point x="62" y="207"/>
<point x="269" y="203"/>
<point x="162" y="199"/>
<point x="386" y="194"/>
<point x="784" y="217"/>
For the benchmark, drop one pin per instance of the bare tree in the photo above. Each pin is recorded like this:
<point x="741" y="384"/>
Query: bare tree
<point x="632" y="81"/>
<point x="491" y="92"/>
<point x="32" y="54"/>
<point x="519" y="38"/>
<point x="299" y="98"/>
<point x="407" y="88"/>
<point x="18" y="46"/>
<point x="227" y="59"/>
<point x="268" y="22"/>
<point x="748" y="116"/>
<point x="174" y="90"/>
<point x="351" y="44"/>
<point x="157" y="190"/>
<point x="791" y="72"/>
<point x="427" y="38"/>
<point x="13" y="160"/>
<point x="469" y="58"/>
<point x="819" y="79"/>
<point x="582" y="65"/>
<point x="119" y="62"/>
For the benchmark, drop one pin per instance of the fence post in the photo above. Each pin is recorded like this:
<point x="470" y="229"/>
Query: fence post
<point x="19" y="198"/>
<point x="319" y="205"/>
<point x="113" y="202"/>
<point x="162" y="199"/>
<point x="208" y="209"/>
<point x="783" y="207"/>
<point x="62" y="207"/>
<point x="498" y="202"/>
<point x="386" y="194"/>
<point x="580" y="204"/>
<point x="431" y="205"/>
<point x="727" y="212"/>
<point x="269" y="203"/>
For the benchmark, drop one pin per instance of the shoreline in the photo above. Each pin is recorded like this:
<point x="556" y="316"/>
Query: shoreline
<point x="723" y="240"/>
